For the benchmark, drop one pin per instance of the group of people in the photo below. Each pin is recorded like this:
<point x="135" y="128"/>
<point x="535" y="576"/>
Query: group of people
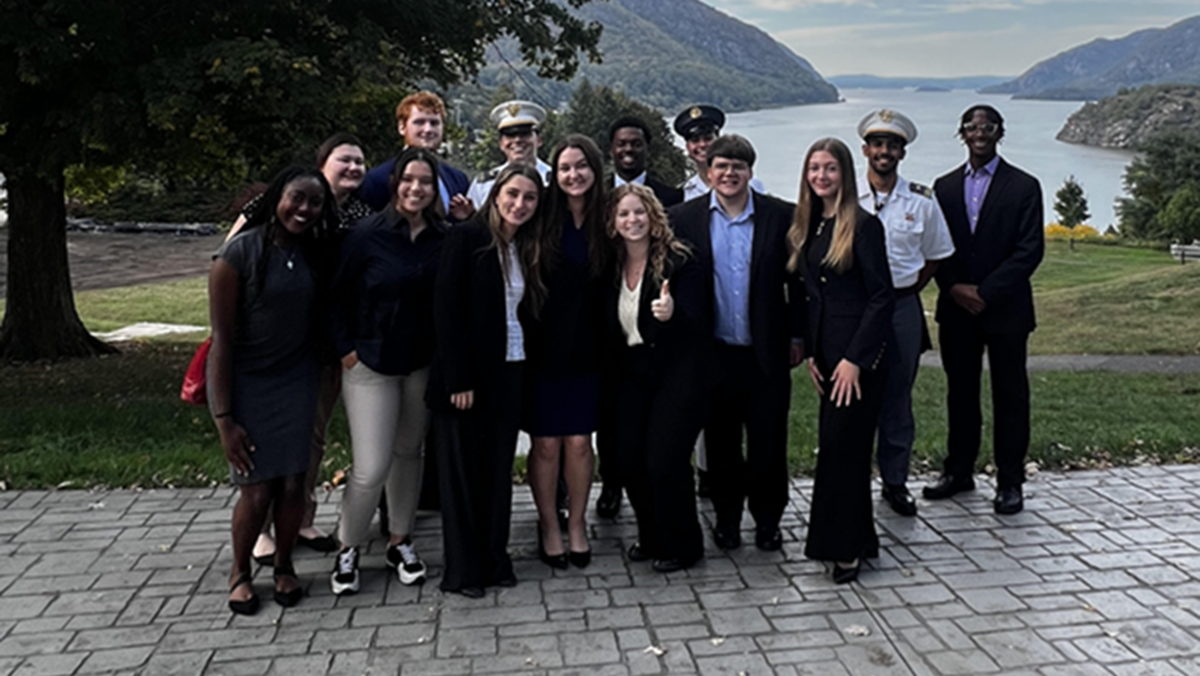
<point x="663" y="322"/>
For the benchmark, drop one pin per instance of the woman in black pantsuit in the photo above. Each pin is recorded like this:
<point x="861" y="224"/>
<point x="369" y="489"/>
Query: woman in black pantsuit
<point x="486" y="288"/>
<point x="839" y="253"/>
<point x="658" y="371"/>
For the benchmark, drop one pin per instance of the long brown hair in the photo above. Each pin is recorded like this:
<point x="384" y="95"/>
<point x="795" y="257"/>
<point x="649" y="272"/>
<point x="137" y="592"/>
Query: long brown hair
<point x="662" y="238"/>
<point x="558" y="209"/>
<point x="810" y="207"/>
<point x="526" y="237"/>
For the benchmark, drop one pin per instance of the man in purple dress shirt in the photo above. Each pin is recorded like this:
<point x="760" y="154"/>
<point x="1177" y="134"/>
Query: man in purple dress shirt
<point x="985" y="300"/>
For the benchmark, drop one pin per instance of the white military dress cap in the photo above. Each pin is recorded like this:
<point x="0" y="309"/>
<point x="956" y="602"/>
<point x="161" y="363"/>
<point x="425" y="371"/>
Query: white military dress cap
<point x="517" y="113"/>
<point x="885" y="121"/>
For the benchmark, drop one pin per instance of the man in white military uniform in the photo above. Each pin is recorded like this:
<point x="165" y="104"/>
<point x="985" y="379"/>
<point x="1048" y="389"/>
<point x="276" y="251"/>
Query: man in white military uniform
<point x="917" y="238"/>
<point x="518" y="123"/>
<point x="700" y="126"/>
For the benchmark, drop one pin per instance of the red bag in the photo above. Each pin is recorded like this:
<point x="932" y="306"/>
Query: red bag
<point x="195" y="381"/>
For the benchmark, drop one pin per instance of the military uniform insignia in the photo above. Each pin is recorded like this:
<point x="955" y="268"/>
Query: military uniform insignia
<point x="922" y="190"/>
<point x="695" y="112"/>
<point x="886" y="116"/>
<point x="513" y="109"/>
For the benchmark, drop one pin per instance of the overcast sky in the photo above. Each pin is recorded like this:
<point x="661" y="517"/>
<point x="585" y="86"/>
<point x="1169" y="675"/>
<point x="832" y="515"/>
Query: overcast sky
<point x="944" y="38"/>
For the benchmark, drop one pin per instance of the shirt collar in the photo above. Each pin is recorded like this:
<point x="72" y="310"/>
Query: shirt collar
<point x="746" y="215"/>
<point x="988" y="169"/>
<point x="640" y="179"/>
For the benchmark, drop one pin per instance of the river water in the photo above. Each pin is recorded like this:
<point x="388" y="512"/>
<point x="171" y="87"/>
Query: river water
<point x="781" y="136"/>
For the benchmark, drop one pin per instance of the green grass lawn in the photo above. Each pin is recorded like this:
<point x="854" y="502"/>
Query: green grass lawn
<point x="118" y="421"/>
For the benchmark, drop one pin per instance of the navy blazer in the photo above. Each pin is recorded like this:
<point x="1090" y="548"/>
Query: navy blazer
<point x="469" y="315"/>
<point x="849" y="313"/>
<point x="374" y="189"/>
<point x="1000" y="256"/>
<point x="771" y="325"/>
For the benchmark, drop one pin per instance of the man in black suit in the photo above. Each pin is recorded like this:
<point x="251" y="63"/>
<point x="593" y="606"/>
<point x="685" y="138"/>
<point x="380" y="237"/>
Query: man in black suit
<point x="739" y="238"/>
<point x="985" y="300"/>
<point x="629" y="146"/>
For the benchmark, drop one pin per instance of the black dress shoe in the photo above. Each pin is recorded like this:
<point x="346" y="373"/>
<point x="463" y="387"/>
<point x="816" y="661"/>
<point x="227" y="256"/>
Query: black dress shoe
<point x="727" y="537"/>
<point x="845" y="575"/>
<point x="899" y="499"/>
<point x="324" y="543"/>
<point x="558" y="561"/>
<point x="768" y="539"/>
<point x="509" y="580"/>
<point x="948" y="485"/>
<point x="469" y="592"/>
<point x="672" y="565"/>
<point x="609" y="502"/>
<point x="1009" y="500"/>
<point x="637" y="554"/>
<point x="703" y="489"/>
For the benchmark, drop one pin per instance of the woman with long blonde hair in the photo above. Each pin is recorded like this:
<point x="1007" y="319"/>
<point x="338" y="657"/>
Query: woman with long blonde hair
<point x="657" y="375"/>
<point x="839" y="259"/>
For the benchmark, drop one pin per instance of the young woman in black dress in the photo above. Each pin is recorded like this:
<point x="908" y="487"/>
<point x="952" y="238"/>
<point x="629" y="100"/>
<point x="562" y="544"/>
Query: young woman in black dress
<point x="486" y="291"/>
<point x="263" y="370"/>
<point x="838" y="253"/>
<point x="564" y="347"/>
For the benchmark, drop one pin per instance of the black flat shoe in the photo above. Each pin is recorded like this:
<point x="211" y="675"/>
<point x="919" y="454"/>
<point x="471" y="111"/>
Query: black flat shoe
<point x="580" y="559"/>
<point x="637" y="554"/>
<point x="509" y="581"/>
<point x="727" y="537"/>
<point x="899" y="499"/>
<point x="768" y="539"/>
<point x="267" y="560"/>
<point x="325" y="543"/>
<point x="289" y="598"/>
<point x="469" y="592"/>
<point x="947" y="486"/>
<point x="609" y="502"/>
<point x="247" y="606"/>
<point x="846" y="575"/>
<point x="1009" y="500"/>
<point x="558" y="561"/>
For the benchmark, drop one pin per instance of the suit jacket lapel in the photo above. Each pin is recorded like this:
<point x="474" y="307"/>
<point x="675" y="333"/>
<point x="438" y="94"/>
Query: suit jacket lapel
<point x="759" y="243"/>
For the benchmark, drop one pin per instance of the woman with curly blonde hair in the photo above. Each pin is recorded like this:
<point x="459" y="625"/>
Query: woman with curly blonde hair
<point x="657" y="366"/>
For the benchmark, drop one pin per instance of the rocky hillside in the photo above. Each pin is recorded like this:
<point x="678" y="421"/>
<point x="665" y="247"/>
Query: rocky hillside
<point x="1131" y="117"/>
<point x="671" y="53"/>
<point x="1103" y="67"/>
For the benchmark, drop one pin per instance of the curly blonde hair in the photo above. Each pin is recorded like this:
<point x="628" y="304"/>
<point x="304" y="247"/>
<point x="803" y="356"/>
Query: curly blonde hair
<point x="662" y="238"/>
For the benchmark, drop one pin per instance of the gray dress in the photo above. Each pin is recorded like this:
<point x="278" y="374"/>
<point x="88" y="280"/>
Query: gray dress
<point x="275" y="370"/>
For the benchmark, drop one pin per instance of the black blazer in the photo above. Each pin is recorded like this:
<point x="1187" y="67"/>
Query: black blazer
<point x="771" y="326"/>
<point x="469" y="315"/>
<point x="849" y="314"/>
<point x="1002" y="254"/>
<point x="681" y="348"/>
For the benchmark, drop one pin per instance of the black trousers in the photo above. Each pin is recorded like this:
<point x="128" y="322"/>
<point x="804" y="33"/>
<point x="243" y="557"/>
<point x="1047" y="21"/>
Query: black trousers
<point x="756" y="403"/>
<point x="475" y="459"/>
<point x="653" y="430"/>
<point x="962" y="343"/>
<point x="841" y="523"/>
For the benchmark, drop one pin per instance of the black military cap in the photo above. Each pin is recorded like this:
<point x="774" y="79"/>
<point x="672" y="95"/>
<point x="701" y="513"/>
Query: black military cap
<point x="700" y="119"/>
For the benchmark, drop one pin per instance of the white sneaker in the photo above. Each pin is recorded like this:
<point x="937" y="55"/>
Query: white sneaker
<point x="344" y="579"/>
<point x="409" y="567"/>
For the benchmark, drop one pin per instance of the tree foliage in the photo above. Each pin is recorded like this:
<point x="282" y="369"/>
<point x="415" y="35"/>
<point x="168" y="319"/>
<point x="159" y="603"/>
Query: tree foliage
<point x="1163" y="182"/>
<point x="1070" y="204"/>
<point x="216" y="91"/>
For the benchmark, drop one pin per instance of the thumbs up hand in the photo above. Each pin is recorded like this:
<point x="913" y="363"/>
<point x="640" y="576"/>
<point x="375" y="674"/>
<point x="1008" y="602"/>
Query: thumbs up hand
<point x="664" y="306"/>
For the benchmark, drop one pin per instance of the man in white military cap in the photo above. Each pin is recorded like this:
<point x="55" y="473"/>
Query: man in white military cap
<point x="917" y="239"/>
<point x="519" y="124"/>
<point x="699" y="126"/>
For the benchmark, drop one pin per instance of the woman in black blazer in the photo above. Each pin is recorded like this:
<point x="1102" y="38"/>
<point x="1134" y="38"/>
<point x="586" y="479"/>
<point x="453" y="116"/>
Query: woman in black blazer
<point x="487" y="288"/>
<point x="838" y="252"/>
<point x="658" y="370"/>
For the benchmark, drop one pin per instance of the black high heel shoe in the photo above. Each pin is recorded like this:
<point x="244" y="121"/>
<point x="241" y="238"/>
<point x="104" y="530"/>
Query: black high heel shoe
<point x="580" y="559"/>
<point x="846" y="575"/>
<point x="559" y="561"/>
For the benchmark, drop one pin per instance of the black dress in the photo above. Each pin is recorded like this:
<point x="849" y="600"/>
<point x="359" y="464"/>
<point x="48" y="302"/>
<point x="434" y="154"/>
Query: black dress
<point x="565" y="380"/>
<point x="849" y="316"/>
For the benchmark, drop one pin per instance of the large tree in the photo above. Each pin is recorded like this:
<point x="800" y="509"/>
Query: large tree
<point x="1163" y="182"/>
<point x="215" y="90"/>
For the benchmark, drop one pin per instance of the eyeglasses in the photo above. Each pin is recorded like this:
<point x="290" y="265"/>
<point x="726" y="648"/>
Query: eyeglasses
<point x="986" y="127"/>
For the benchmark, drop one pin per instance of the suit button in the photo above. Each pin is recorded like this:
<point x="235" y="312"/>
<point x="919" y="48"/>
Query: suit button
<point x="823" y="280"/>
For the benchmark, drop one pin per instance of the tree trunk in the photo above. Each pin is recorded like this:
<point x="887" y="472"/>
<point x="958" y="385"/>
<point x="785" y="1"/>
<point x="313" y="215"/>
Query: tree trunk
<point x="40" y="321"/>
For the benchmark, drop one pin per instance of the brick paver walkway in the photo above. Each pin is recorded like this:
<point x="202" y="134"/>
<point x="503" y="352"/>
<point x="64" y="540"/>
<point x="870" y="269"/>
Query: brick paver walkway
<point x="1097" y="576"/>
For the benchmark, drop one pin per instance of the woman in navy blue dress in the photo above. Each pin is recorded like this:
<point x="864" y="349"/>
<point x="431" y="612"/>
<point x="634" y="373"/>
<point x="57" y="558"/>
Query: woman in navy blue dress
<point x="564" y="347"/>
